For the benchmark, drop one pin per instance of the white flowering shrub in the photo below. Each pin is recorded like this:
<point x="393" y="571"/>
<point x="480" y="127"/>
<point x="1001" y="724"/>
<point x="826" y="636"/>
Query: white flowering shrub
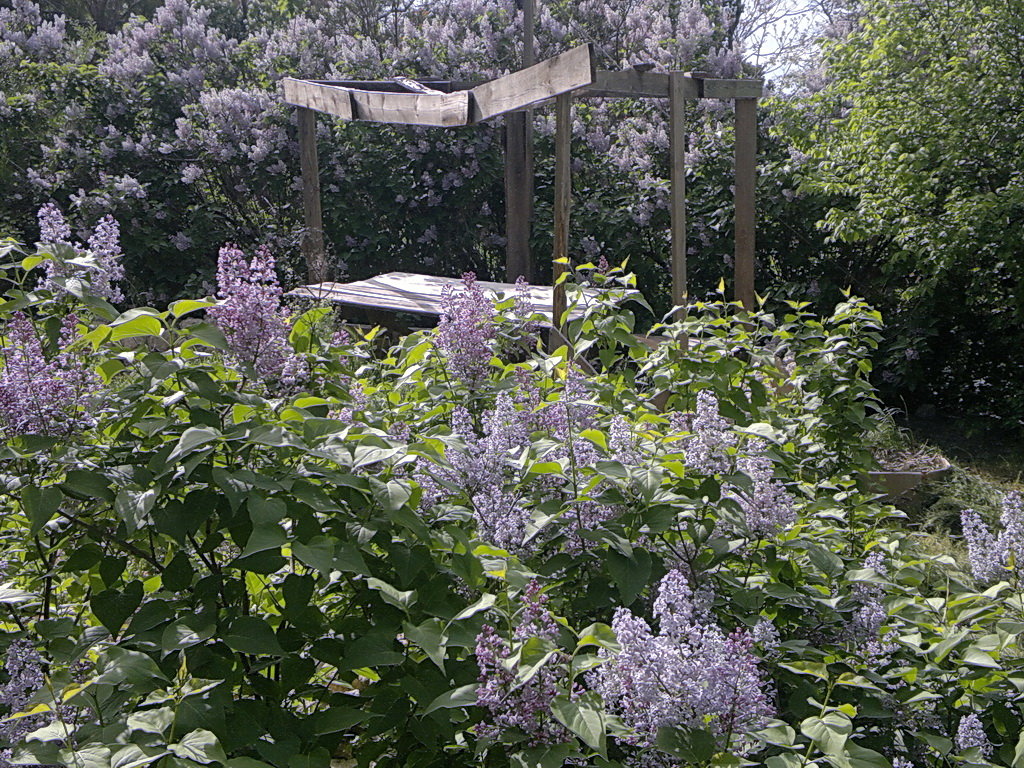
<point x="237" y="537"/>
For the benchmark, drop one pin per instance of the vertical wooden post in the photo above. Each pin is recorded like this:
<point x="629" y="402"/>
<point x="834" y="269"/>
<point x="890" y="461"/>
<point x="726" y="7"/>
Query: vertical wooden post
<point x="746" y="178"/>
<point x="563" y="202"/>
<point x="313" y="236"/>
<point x="518" y="198"/>
<point x="677" y="150"/>
<point x="519" y="171"/>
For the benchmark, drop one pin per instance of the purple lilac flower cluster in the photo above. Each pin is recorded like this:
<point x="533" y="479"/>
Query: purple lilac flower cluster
<point x="527" y="707"/>
<point x="23" y="667"/>
<point x="690" y="674"/>
<point x="990" y="555"/>
<point x="707" y="448"/>
<point x="768" y="506"/>
<point x="970" y="734"/>
<point x="482" y="470"/>
<point x="866" y="626"/>
<point x="466" y="330"/>
<point x="252" y="318"/>
<point x="41" y="395"/>
<point x="104" y="249"/>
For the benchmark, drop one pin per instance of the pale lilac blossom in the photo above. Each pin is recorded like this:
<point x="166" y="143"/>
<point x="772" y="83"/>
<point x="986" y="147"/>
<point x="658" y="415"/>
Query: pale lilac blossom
<point x="43" y="395"/>
<point x="251" y="316"/>
<point x="970" y="734"/>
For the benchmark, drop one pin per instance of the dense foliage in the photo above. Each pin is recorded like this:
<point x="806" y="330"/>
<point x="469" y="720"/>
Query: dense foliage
<point x="919" y="139"/>
<point x="263" y="549"/>
<point x="174" y="124"/>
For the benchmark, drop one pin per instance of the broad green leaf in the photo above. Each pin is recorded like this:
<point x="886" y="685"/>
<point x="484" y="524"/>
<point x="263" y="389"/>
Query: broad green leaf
<point x="251" y="634"/>
<point x="583" y="716"/>
<point x="201" y="746"/>
<point x="389" y="594"/>
<point x="40" y="505"/>
<point x="151" y="720"/>
<point x="464" y="696"/>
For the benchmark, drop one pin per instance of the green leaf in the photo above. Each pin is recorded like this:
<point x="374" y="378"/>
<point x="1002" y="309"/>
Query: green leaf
<point x="134" y="756"/>
<point x="86" y="757"/>
<point x="830" y="733"/>
<point x="40" y="505"/>
<point x="187" y="306"/>
<point x="209" y="334"/>
<point x="486" y="601"/>
<point x="631" y="574"/>
<point x="431" y="637"/>
<point x="391" y="595"/>
<point x="463" y="696"/>
<point x="263" y="538"/>
<point x="201" y="746"/>
<point x="87" y="484"/>
<point x="583" y="716"/>
<point x="151" y="720"/>
<point x="250" y="634"/>
<point x="135" y="322"/>
<point x="542" y="757"/>
<point x="192" y="438"/>
<point x="12" y="596"/>
<point x="119" y="666"/>
<point x="133" y="507"/>
<point x="113" y="608"/>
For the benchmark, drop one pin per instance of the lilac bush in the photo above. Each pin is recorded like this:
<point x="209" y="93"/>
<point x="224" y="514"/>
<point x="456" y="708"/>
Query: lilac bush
<point x="707" y="447"/>
<point x="41" y="394"/>
<point x="23" y="669"/>
<point x="251" y="316"/>
<point x="993" y="555"/>
<point x="466" y="329"/>
<point x="511" y="704"/>
<point x="768" y="507"/>
<point x="104" y="269"/>
<point x="690" y="673"/>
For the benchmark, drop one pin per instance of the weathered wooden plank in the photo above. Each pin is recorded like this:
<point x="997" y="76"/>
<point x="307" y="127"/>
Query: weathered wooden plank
<point x="677" y="153"/>
<point x="533" y="85"/>
<point x="392" y="86"/>
<point x="732" y="89"/>
<point x="313" y="235"/>
<point x="421" y="294"/>
<point x="439" y="109"/>
<point x="744" y="184"/>
<point x="414" y="86"/>
<point x="563" y="202"/>
<point x="632" y="83"/>
<point x="518" y="197"/>
<point x="323" y="98"/>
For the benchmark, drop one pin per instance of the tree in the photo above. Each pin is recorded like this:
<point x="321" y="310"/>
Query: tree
<point x="925" y="144"/>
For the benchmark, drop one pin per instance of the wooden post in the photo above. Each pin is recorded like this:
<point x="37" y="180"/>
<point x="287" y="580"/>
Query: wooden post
<point x="519" y="171"/>
<point x="313" y="236"/>
<point x="677" y="149"/>
<point x="563" y="202"/>
<point x="518" y="197"/>
<point x="746" y="178"/>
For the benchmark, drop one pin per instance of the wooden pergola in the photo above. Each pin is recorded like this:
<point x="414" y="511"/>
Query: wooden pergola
<point x="563" y="78"/>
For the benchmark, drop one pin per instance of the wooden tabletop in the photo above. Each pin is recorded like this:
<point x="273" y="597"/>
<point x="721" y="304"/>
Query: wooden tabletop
<point x="422" y="294"/>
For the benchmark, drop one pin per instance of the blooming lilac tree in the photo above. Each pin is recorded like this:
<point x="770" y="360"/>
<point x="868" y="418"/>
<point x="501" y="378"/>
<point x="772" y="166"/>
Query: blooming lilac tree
<point x="251" y="316"/>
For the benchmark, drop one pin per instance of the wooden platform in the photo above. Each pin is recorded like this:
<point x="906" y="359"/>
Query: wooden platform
<point x="422" y="294"/>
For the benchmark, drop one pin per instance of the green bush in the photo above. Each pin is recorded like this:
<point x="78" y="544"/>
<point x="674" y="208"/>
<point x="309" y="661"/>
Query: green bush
<point x="445" y="552"/>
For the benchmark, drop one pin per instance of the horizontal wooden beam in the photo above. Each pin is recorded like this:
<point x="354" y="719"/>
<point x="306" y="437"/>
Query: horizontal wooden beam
<point x="732" y="89"/>
<point x="439" y="109"/>
<point x="396" y="86"/>
<point x="323" y="98"/>
<point x="533" y="85"/>
<point x="630" y="82"/>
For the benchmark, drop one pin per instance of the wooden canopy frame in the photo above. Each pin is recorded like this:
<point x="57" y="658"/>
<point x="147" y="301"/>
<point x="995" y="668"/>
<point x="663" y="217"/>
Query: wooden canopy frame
<point x="446" y="103"/>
